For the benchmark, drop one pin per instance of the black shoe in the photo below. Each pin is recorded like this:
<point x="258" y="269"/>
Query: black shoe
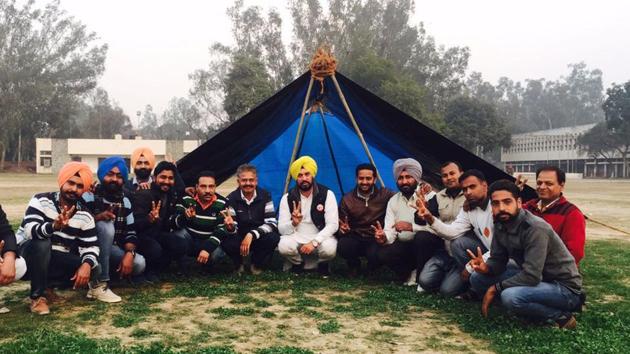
<point x="297" y="269"/>
<point x="323" y="269"/>
<point x="151" y="278"/>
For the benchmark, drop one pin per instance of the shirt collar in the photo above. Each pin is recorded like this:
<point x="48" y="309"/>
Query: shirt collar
<point x="542" y="209"/>
<point x="203" y="205"/>
<point x="246" y="200"/>
<point x="135" y="180"/>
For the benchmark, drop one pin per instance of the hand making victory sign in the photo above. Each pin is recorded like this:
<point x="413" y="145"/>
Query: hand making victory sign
<point x="379" y="233"/>
<point x="190" y="212"/>
<point x="477" y="262"/>
<point x="63" y="218"/>
<point x="228" y="220"/>
<point x="296" y="214"/>
<point x="154" y="214"/>
<point x="344" y="225"/>
<point x="422" y="208"/>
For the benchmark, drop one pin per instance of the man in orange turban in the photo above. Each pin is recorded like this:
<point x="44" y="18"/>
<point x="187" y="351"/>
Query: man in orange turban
<point x="142" y="163"/>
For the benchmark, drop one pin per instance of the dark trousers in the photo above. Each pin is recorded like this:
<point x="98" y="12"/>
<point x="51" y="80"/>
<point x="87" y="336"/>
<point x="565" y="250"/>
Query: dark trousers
<point x="47" y="266"/>
<point x="351" y="246"/>
<point x="160" y="249"/>
<point x="399" y="257"/>
<point x="426" y="245"/>
<point x="260" y="250"/>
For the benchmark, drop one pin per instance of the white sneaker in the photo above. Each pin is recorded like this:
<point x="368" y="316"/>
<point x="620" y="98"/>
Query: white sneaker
<point x="420" y="289"/>
<point x="102" y="293"/>
<point x="412" y="279"/>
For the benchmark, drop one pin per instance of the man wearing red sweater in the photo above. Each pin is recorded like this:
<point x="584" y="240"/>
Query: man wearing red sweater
<point x="565" y="218"/>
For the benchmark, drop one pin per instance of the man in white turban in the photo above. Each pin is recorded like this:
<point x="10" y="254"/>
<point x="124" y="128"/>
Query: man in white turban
<point x="307" y="220"/>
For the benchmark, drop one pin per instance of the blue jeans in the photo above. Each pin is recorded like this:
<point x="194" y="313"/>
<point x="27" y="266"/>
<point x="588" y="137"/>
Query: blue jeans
<point x="469" y="241"/>
<point x="441" y="273"/>
<point x="111" y="253"/>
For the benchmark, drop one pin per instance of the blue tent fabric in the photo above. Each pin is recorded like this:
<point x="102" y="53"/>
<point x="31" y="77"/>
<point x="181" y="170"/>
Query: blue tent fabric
<point x="273" y="161"/>
<point x="266" y="134"/>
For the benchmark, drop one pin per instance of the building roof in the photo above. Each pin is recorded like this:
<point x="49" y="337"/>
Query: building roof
<point x="576" y="129"/>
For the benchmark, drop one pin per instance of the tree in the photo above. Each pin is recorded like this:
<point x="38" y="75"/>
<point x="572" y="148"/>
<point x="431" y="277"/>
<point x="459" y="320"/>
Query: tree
<point x="181" y="120"/>
<point x="148" y="127"/>
<point x="475" y="125"/>
<point x="47" y="61"/>
<point x="617" y="111"/>
<point x="246" y="85"/>
<point x="104" y="118"/>
<point x="598" y="142"/>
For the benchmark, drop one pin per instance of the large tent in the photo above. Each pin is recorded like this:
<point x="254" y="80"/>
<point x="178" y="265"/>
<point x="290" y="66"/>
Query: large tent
<point x="266" y="136"/>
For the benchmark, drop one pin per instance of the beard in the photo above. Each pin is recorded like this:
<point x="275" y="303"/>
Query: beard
<point x="305" y="186"/>
<point x="407" y="189"/>
<point x="142" y="173"/>
<point x="504" y="218"/>
<point x="70" y="196"/>
<point x="112" y="188"/>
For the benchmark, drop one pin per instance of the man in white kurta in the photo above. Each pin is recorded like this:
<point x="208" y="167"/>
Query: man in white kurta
<point x="308" y="218"/>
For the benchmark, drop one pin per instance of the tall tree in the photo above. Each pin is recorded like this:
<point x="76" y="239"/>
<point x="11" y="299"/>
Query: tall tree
<point x="47" y="60"/>
<point x="617" y="110"/>
<point x="181" y="120"/>
<point x="105" y="119"/>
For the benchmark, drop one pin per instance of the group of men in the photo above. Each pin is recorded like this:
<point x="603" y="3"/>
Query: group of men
<point x="468" y="240"/>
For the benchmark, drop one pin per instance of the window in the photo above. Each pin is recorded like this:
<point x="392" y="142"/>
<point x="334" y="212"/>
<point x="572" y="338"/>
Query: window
<point x="45" y="153"/>
<point x="45" y="162"/>
<point x="76" y="158"/>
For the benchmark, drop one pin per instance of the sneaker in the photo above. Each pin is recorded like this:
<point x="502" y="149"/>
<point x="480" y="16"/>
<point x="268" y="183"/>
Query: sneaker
<point x="411" y="281"/>
<point x="151" y="278"/>
<point x="567" y="323"/>
<point x="102" y="293"/>
<point x="255" y="270"/>
<point x="323" y="269"/>
<point x="40" y="306"/>
<point x="51" y="296"/>
<point x="420" y="289"/>
<point x="4" y="310"/>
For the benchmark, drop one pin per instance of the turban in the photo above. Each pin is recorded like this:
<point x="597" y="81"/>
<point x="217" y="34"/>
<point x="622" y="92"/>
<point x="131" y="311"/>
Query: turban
<point x="109" y="163"/>
<point x="411" y="166"/>
<point x="72" y="168"/>
<point x="165" y="165"/>
<point x="305" y="162"/>
<point x="143" y="151"/>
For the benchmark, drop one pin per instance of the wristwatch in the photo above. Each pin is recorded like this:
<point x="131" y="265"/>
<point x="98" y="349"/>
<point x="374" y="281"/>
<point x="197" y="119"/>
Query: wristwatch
<point x="315" y="243"/>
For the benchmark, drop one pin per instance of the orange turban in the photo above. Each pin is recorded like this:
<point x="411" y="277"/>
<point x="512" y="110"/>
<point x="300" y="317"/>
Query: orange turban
<point x="142" y="151"/>
<point x="72" y="168"/>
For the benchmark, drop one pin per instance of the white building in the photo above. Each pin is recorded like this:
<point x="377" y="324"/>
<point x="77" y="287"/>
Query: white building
<point x="556" y="147"/>
<point x="52" y="154"/>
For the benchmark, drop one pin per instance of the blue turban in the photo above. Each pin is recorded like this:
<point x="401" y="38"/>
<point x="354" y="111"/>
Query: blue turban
<point x="111" y="162"/>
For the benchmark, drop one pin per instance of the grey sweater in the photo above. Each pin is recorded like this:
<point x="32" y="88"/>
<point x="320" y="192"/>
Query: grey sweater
<point x="537" y="249"/>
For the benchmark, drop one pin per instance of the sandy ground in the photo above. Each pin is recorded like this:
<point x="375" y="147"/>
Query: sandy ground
<point x="605" y="201"/>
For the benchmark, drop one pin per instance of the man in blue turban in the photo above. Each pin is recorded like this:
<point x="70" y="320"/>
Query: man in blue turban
<point x="114" y="226"/>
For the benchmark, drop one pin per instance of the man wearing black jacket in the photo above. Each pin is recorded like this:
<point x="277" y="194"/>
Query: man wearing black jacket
<point x="154" y="215"/>
<point x="257" y="225"/>
<point x="12" y="267"/>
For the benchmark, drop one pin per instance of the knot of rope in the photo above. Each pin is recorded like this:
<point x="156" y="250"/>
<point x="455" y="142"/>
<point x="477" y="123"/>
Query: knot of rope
<point x="322" y="65"/>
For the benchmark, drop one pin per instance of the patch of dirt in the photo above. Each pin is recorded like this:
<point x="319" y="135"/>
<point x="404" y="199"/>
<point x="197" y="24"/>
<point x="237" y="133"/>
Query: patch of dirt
<point x="606" y="299"/>
<point x="190" y="322"/>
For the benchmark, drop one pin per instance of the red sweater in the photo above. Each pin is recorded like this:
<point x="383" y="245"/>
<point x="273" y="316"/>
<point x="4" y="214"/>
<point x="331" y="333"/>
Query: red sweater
<point x="567" y="221"/>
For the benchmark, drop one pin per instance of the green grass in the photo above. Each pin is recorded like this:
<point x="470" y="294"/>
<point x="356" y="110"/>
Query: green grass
<point x="604" y="327"/>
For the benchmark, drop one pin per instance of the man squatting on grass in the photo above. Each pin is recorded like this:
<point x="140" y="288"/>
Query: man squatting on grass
<point x="12" y="267"/>
<point x="257" y="225"/>
<point x="307" y="220"/>
<point x="61" y="243"/>
<point x="111" y="207"/>
<point x="547" y="286"/>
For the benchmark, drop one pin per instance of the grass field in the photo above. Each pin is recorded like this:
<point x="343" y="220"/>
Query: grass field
<point x="281" y="313"/>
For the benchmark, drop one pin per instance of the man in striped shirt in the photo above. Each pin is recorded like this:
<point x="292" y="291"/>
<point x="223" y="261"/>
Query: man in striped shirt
<point x="62" y="242"/>
<point x="114" y="225"/>
<point x="257" y="225"/>
<point x="205" y="219"/>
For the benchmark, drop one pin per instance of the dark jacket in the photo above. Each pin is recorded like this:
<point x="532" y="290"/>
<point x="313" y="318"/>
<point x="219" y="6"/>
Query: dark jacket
<point x="320" y="192"/>
<point x="537" y="249"/>
<point x="259" y="217"/>
<point x="142" y="203"/>
<point x="6" y="234"/>
<point x="362" y="213"/>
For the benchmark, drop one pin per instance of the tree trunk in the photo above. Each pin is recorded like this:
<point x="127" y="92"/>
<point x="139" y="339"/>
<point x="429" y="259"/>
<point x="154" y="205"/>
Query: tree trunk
<point x="2" y="154"/>
<point x="19" y="149"/>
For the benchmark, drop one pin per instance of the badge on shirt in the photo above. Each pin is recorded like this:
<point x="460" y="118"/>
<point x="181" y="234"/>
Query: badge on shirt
<point x="486" y="232"/>
<point x="320" y="207"/>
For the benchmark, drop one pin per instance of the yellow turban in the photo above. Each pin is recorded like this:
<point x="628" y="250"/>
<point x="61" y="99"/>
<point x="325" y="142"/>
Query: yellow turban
<point x="305" y="162"/>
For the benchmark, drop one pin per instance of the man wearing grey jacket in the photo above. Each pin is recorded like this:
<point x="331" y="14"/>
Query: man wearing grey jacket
<point x="548" y="285"/>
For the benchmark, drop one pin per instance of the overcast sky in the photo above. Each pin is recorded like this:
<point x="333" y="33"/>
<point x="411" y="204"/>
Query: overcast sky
<point x="154" y="45"/>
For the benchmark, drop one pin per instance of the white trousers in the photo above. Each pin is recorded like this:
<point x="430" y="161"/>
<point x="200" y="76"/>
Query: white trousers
<point x="289" y="248"/>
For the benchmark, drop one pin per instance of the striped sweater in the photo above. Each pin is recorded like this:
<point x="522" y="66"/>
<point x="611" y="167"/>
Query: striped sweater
<point x="98" y="202"/>
<point x="79" y="236"/>
<point x="208" y="224"/>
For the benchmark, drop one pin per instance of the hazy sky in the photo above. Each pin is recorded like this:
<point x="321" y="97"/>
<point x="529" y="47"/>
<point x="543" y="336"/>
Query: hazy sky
<point x="154" y="45"/>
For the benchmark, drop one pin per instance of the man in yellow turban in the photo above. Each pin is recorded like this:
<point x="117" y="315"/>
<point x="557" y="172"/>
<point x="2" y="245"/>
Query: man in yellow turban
<point x="308" y="219"/>
<point x="61" y="238"/>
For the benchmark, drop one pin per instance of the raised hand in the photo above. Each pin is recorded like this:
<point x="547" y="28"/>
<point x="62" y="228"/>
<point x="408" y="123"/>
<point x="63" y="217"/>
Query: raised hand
<point x="425" y="189"/>
<point x="296" y="215"/>
<point x="191" y="213"/>
<point x="520" y="182"/>
<point x="344" y="225"/>
<point x="154" y="214"/>
<point x="63" y="218"/>
<point x="379" y="233"/>
<point x="227" y="219"/>
<point x="422" y="208"/>
<point x="477" y="262"/>
<point x="144" y="185"/>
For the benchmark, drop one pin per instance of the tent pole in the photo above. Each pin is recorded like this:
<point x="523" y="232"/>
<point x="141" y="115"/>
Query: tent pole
<point x="356" y="128"/>
<point x="330" y="149"/>
<point x="297" y="136"/>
